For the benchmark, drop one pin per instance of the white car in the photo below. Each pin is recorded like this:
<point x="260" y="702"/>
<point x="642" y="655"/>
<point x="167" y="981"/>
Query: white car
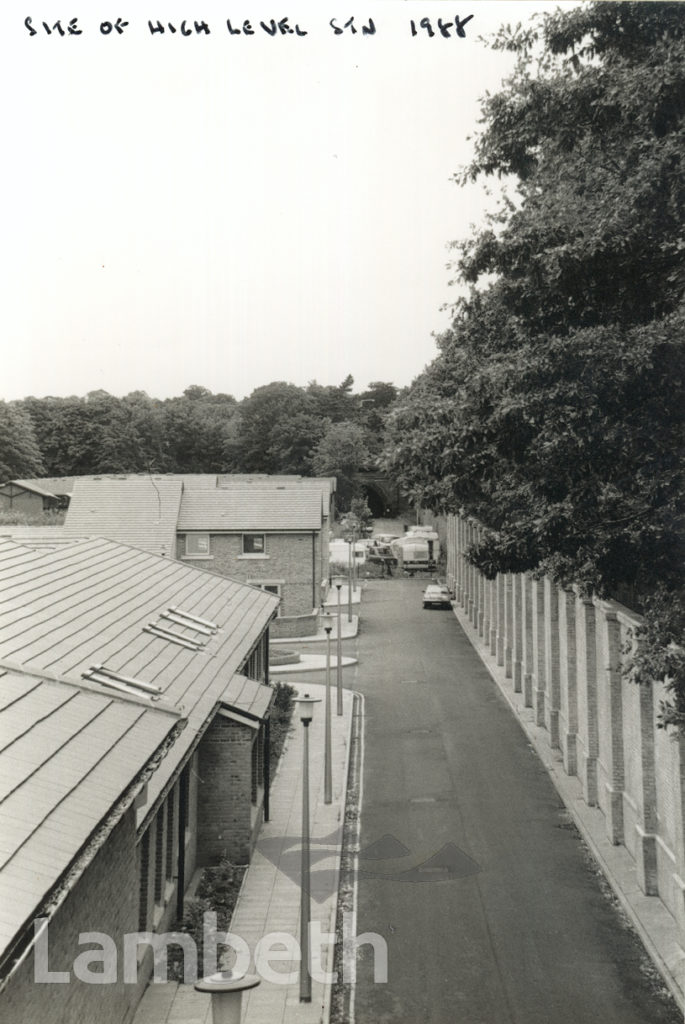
<point x="437" y="595"/>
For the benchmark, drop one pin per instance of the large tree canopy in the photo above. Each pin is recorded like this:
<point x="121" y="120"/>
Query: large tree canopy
<point x="554" y="412"/>
<point x="19" y="452"/>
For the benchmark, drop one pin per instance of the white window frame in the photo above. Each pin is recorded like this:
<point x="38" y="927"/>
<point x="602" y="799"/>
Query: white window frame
<point x="253" y="554"/>
<point x="190" y="537"/>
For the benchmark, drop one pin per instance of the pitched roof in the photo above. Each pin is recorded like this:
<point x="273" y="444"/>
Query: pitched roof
<point x="36" y="536"/>
<point x="72" y="745"/>
<point x="325" y="484"/>
<point x="67" y="754"/>
<point x="249" y="509"/>
<point x="142" y="513"/>
<point x="65" y="484"/>
<point x="32" y="485"/>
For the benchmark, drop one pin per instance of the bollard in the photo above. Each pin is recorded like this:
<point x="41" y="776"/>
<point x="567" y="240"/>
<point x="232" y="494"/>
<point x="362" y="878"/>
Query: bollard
<point x="226" y="990"/>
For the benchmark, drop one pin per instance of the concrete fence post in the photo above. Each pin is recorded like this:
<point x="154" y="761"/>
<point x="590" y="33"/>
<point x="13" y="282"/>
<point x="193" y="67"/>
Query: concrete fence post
<point x="527" y="631"/>
<point x="517" y="640"/>
<point x="487" y="606"/>
<point x="646" y="824"/>
<point x="499" y="653"/>
<point x="568" y="688"/>
<point x="539" y="679"/>
<point x="468" y="581"/>
<point x="586" y="673"/>
<point x="508" y="623"/>
<point x="493" y="617"/>
<point x="553" y="686"/>
<point x="610" y="707"/>
<point x="679" y="825"/>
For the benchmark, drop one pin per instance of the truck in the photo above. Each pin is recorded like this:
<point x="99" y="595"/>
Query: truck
<point x="418" y="550"/>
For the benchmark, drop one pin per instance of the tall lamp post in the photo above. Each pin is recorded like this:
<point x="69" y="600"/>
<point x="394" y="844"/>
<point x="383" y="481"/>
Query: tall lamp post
<point x="327" y="769"/>
<point x="349" y="581"/>
<point x="306" y="705"/>
<point x="338" y="668"/>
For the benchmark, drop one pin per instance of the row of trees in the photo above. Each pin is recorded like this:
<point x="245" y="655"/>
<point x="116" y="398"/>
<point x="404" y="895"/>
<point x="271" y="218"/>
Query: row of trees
<point x="554" y="413"/>
<point x="279" y="428"/>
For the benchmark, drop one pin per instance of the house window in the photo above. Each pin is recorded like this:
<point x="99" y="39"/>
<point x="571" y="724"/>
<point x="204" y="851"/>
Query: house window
<point x="254" y="544"/>
<point x="197" y="544"/>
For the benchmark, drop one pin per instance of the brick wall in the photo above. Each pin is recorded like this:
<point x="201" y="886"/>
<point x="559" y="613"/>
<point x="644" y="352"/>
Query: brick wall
<point x="226" y="823"/>
<point x="105" y="899"/>
<point x="293" y="561"/>
<point x="572" y="653"/>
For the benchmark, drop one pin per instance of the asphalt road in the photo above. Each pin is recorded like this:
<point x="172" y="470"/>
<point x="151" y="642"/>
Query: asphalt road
<point x="471" y="871"/>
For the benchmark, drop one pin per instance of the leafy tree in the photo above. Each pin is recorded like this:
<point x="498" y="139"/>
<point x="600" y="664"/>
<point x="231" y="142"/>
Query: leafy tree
<point x="65" y="433"/>
<point x="19" y="452"/>
<point x="555" y="410"/>
<point x="334" y="403"/>
<point x="341" y="452"/>
<point x="276" y="431"/>
<point x="375" y="404"/>
<point x="197" y="427"/>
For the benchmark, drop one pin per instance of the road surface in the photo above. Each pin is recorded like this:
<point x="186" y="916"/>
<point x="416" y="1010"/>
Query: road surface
<point x="491" y="907"/>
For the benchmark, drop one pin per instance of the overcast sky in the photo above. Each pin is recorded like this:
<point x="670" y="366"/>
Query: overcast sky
<point x="229" y="210"/>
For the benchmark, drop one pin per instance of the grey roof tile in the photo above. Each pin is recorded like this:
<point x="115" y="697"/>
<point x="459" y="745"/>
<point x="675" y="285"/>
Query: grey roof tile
<point x="142" y="513"/>
<point x="263" y="509"/>
<point x="70" y="748"/>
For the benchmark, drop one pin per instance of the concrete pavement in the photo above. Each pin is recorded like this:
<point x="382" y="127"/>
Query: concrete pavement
<point x="269" y="900"/>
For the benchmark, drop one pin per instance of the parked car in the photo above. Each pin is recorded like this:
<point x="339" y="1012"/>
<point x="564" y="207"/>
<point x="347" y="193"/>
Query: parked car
<point x="437" y="595"/>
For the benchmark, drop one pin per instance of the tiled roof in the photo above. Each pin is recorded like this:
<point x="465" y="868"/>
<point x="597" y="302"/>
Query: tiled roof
<point x="65" y="484"/>
<point x="325" y="484"/>
<point x="36" y="536"/>
<point x="249" y="509"/>
<point x="52" y="484"/>
<point x="142" y="513"/>
<point x="71" y="746"/>
<point x="67" y="755"/>
<point x="34" y="486"/>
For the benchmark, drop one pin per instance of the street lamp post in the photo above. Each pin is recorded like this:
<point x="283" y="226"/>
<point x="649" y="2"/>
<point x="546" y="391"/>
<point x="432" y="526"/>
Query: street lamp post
<point x="338" y="668"/>
<point x="327" y="770"/>
<point x="349" y="581"/>
<point x="306" y="704"/>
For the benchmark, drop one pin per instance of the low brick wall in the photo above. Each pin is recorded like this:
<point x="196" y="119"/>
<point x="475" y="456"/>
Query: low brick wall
<point x="294" y="626"/>
<point x="566" y="655"/>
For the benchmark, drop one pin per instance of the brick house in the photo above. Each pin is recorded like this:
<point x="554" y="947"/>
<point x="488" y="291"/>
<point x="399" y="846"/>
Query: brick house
<point x="218" y="522"/>
<point x="272" y="538"/>
<point x="134" y="708"/>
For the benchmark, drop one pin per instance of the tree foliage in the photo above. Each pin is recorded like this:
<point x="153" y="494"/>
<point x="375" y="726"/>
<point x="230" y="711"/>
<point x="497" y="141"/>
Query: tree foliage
<point x="19" y="452"/>
<point x="342" y="452"/>
<point x="554" y="411"/>
<point x="276" y="429"/>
